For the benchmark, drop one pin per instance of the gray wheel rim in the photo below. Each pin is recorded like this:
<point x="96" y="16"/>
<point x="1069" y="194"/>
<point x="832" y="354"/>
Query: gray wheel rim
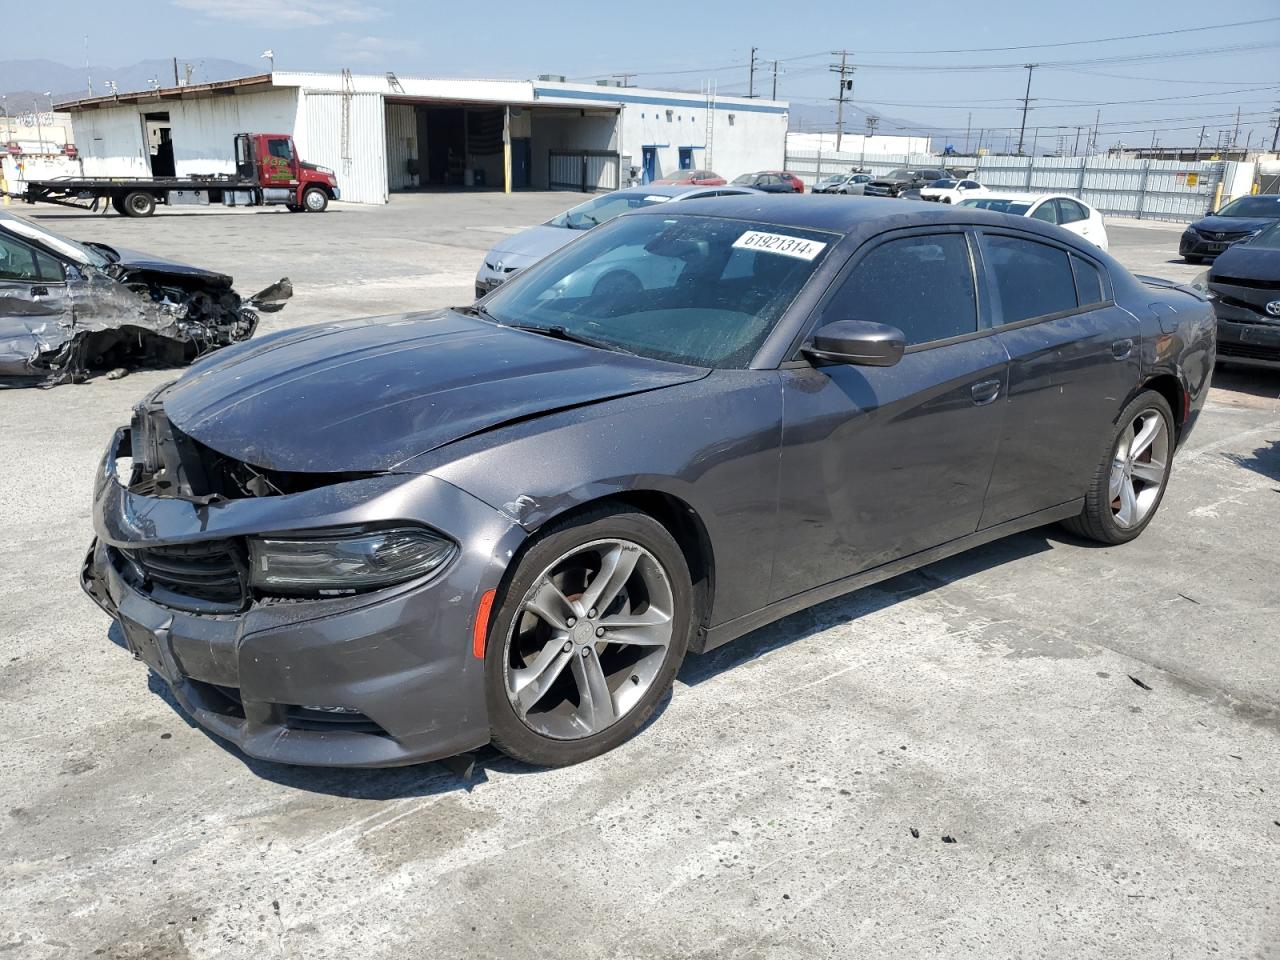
<point x="589" y="639"/>
<point x="1138" y="468"/>
<point x="140" y="204"/>
<point x="314" y="200"/>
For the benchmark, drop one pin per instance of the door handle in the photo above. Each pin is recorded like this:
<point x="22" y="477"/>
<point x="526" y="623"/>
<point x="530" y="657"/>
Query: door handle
<point x="1121" y="349"/>
<point x="985" y="392"/>
<point x="39" y="291"/>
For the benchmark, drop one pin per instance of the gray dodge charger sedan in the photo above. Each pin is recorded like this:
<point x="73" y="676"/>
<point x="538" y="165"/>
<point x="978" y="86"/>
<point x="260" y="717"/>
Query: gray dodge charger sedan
<point x="394" y="539"/>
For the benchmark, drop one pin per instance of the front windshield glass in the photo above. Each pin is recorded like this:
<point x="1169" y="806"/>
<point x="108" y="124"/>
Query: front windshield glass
<point x="64" y="245"/>
<point x="1258" y="206"/>
<point x="943" y="184"/>
<point x="830" y="181"/>
<point x="695" y="290"/>
<point x="1015" y="207"/>
<point x="595" y="212"/>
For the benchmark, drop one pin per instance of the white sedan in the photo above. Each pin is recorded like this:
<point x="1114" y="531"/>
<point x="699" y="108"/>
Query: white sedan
<point x="1075" y="215"/>
<point x="952" y="191"/>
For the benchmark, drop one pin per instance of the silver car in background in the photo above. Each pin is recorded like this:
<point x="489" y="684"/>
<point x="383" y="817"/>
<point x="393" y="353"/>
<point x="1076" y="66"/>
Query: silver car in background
<point x="514" y="253"/>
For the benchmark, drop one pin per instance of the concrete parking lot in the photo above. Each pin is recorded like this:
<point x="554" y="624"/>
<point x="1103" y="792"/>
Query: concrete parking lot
<point x="1038" y="749"/>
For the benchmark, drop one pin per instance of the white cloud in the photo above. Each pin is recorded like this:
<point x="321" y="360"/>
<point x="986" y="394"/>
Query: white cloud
<point x="359" y="48"/>
<point x="294" y="13"/>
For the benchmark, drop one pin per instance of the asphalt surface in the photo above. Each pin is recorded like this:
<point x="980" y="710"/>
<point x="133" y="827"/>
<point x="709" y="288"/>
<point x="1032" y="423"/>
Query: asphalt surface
<point x="1038" y="749"/>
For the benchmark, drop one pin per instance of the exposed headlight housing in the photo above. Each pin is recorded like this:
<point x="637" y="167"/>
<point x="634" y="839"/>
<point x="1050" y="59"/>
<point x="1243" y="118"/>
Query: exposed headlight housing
<point x="343" y="563"/>
<point x="1201" y="282"/>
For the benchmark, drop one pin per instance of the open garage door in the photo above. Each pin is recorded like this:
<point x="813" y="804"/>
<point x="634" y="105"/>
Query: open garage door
<point x="589" y="171"/>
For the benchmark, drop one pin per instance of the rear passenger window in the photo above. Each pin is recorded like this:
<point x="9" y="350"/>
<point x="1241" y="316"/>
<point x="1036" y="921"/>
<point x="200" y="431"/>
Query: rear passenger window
<point x="921" y="285"/>
<point x="1089" y="288"/>
<point x="1047" y="211"/>
<point x="1069" y="211"/>
<point x="1033" y="279"/>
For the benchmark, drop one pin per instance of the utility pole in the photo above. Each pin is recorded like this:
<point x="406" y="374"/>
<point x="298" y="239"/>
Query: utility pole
<point x="1035" y="138"/>
<point x="1075" y="151"/>
<point x="845" y="73"/>
<point x="1235" y="133"/>
<point x="968" y="125"/>
<point x="978" y="149"/>
<point x="1275" y="137"/>
<point x="1097" y="118"/>
<point x="1200" y="143"/>
<point x="624" y="77"/>
<point x="751" y="74"/>
<point x="1026" y="105"/>
<point x="176" y="82"/>
<point x="774" y="94"/>
<point x="88" y="73"/>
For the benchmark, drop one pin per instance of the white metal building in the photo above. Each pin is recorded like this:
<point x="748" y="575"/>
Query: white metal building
<point x="382" y="133"/>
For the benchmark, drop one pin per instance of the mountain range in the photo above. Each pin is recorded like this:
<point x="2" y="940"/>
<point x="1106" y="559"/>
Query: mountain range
<point x="24" y="82"/>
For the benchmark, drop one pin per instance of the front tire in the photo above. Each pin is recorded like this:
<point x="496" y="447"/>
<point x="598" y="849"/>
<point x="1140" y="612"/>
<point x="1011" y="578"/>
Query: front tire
<point x="590" y="631"/>
<point x="1190" y="259"/>
<point x="315" y="200"/>
<point x="1128" y="485"/>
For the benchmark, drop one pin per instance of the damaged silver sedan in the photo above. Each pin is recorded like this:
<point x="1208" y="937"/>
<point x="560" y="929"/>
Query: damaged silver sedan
<point x="69" y="309"/>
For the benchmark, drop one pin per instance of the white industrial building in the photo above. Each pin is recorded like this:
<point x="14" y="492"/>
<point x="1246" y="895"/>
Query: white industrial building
<point x="382" y="133"/>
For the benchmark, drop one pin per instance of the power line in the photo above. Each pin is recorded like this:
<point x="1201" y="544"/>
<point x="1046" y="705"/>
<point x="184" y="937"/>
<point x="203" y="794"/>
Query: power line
<point x="1077" y="43"/>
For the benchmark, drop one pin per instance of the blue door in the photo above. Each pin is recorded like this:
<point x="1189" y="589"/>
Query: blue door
<point x="686" y="158"/>
<point x="521" y="161"/>
<point x="649" y="160"/>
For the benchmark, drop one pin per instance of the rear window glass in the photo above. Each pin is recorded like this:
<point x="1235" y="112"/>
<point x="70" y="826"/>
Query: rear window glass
<point x="1033" y="279"/>
<point x="1089" y="286"/>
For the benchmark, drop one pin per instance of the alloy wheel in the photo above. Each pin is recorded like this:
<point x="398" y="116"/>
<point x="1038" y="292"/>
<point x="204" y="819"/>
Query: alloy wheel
<point x="589" y="639"/>
<point x="1138" y="469"/>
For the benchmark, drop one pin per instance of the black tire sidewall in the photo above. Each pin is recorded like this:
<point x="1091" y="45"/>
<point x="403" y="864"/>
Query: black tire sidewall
<point x="1148" y="400"/>
<point x="509" y="732"/>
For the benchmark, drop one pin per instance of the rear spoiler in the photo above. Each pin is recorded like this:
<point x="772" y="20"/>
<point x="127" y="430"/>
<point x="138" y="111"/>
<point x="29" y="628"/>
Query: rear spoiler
<point x="1160" y="283"/>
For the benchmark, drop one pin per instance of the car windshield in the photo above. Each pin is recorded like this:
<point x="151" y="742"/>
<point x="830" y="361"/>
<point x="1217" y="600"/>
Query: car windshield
<point x="696" y="290"/>
<point x="902" y="174"/>
<point x="829" y="181"/>
<point x="943" y="184"/>
<point x="1257" y="206"/>
<point x="930" y="174"/>
<point x="595" y="212"/>
<point x="1015" y="207"/>
<point x="746" y="178"/>
<point x="69" y="248"/>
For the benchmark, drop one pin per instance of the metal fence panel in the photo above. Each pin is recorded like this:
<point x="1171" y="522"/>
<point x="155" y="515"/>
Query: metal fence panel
<point x="588" y="171"/>
<point x="1178" y="190"/>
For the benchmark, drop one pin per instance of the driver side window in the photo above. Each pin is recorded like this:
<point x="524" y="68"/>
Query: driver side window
<point x="21" y="262"/>
<point x="923" y="285"/>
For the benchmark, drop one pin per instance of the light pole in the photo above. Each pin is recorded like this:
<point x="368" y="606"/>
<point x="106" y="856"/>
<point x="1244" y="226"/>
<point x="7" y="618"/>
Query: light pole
<point x="270" y="57"/>
<point x="35" y="107"/>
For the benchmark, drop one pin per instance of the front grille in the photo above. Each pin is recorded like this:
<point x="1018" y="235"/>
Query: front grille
<point x="1250" y="282"/>
<point x="1227" y="348"/>
<point x="204" y="577"/>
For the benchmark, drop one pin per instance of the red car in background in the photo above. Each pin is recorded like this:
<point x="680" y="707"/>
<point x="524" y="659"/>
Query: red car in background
<point x="772" y="181"/>
<point x="697" y="178"/>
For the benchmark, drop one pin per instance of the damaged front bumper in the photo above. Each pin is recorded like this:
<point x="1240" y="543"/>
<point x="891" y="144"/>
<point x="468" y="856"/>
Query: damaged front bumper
<point x="378" y="679"/>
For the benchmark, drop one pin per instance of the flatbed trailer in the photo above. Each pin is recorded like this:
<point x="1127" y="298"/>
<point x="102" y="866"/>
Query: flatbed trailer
<point x="268" y="171"/>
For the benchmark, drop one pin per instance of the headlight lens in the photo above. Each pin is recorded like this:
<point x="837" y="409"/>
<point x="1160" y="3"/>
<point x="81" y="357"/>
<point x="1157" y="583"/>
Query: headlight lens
<point x="345" y="564"/>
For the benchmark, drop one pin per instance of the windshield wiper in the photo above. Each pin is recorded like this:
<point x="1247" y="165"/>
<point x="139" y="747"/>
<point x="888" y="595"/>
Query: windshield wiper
<point x="557" y="332"/>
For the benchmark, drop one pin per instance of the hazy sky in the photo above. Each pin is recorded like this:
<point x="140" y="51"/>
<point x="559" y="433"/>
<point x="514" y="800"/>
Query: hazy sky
<point x="899" y="77"/>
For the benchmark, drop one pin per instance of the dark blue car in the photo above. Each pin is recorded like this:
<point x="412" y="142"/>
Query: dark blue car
<point x="1239" y="220"/>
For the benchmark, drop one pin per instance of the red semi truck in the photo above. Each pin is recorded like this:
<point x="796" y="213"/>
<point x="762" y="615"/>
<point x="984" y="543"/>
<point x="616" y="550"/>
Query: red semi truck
<point x="268" y="171"/>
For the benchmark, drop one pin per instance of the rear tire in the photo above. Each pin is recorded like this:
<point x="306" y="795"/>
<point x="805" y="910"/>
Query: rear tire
<point x="315" y="200"/>
<point x="138" y="204"/>
<point x="538" y="663"/>
<point x="117" y="204"/>
<point x="1129" y="484"/>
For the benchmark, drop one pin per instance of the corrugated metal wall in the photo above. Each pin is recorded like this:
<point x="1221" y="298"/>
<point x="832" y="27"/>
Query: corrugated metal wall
<point x="402" y="143"/>
<point x="1147" y="189"/>
<point x="363" y="177"/>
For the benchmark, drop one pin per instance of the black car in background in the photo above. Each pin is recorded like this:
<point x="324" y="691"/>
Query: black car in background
<point x="1244" y="284"/>
<point x="1239" y="220"/>
<point x="894" y="184"/>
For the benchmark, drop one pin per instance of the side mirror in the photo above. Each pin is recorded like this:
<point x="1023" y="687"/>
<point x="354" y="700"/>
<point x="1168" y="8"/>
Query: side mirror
<point x="858" y="342"/>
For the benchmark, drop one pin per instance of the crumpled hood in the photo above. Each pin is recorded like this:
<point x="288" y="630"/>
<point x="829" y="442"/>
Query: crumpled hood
<point x="366" y="395"/>
<point x="529" y="246"/>
<point x="1231" y="224"/>
<point x="133" y="261"/>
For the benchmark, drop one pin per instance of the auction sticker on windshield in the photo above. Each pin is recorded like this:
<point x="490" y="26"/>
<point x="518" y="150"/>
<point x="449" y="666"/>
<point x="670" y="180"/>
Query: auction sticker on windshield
<point x="780" y="243"/>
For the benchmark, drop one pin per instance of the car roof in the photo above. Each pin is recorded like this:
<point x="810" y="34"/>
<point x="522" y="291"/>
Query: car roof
<point x="1026" y="197"/>
<point x="855" y="217"/>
